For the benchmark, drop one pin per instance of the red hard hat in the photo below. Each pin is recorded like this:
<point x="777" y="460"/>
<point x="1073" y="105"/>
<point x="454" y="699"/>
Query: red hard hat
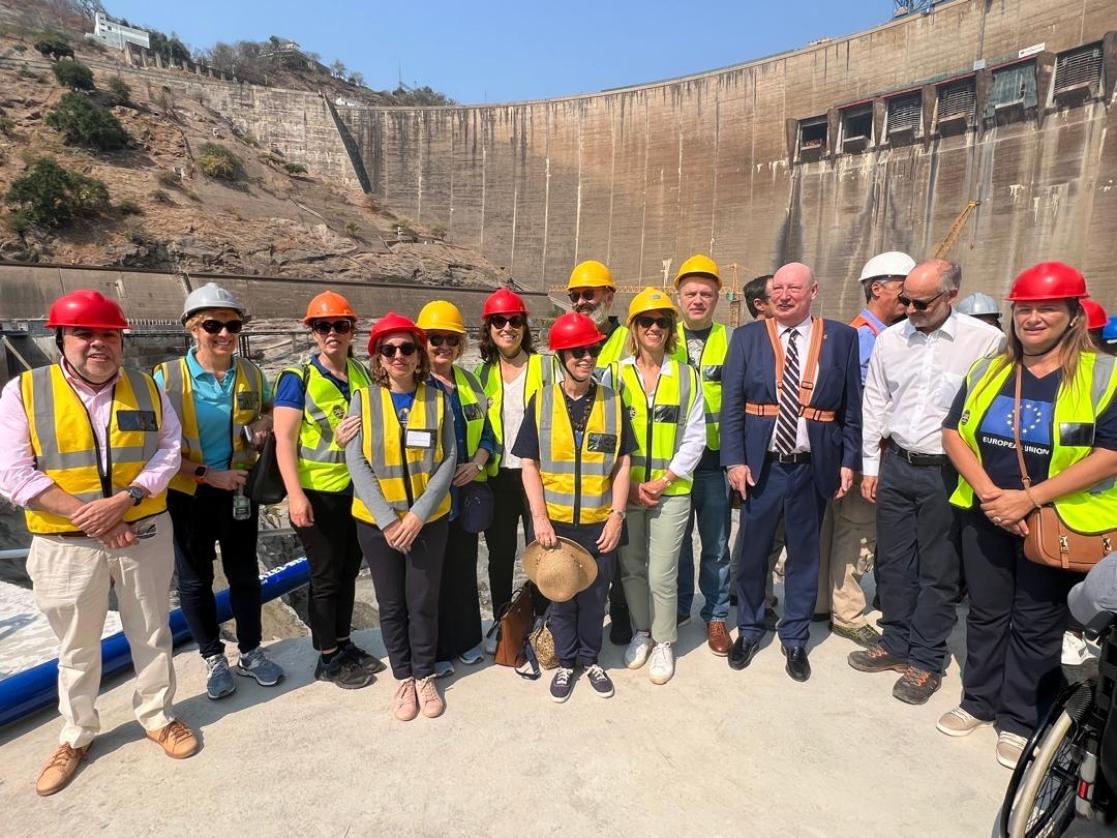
<point x="88" y="309"/>
<point x="1048" y="281"/>
<point x="392" y="322"/>
<point x="503" y="301"/>
<point x="1096" y="317"/>
<point x="572" y="330"/>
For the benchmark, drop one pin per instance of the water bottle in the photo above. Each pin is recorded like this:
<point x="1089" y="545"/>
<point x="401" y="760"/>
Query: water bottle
<point x="242" y="506"/>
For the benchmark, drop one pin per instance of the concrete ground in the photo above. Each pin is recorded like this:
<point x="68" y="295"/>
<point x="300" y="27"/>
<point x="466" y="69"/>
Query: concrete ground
<point x="714" y="752"/>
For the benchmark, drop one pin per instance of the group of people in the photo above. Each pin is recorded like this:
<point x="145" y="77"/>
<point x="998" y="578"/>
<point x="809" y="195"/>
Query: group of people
<point x="893" y="436"/>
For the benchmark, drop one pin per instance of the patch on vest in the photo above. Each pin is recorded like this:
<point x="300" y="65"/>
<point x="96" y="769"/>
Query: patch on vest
<point x="1076" y="433"/>
<point x="631" y="413"/>
<point x="136" y="420"/>
<point x="248" y="400"/>
<point x="965" y="418"/>
<point x="472" y="412"/>
<point x="338" y="412"/>
<point x="602" y="443"/>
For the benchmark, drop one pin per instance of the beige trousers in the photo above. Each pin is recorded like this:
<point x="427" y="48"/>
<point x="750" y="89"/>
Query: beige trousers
<point x="847" y="542"/>
<point x="650" y="565"/>
<point x="71" y="578"/>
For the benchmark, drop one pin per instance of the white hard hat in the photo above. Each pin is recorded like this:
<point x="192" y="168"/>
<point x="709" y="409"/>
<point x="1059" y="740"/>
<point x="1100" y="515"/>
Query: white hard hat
<point x="979" y="303"/>
<point x="210" y="295"/>
<point x="892" y="263"/>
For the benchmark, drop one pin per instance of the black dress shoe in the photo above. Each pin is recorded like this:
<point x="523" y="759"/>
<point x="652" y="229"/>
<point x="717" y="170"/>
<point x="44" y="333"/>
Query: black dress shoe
<point x="620" y="628"/>
<point x="742" y="653"/>
<point x="798" y="667"/>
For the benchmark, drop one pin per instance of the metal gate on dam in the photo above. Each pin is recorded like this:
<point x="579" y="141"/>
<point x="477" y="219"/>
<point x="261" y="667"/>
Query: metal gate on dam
<point x="827" y="154"/>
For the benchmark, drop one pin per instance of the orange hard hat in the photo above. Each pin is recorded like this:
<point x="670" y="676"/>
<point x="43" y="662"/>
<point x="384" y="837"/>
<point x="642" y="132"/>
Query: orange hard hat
<point x="1048" y="281"/>
<point x="329" y="304"/>
<point x="392" y="322"/>
<point x="86" y="309"/>
<point x="572" y="330"/>
<point x="503" y="301"/>
<point x="1096" y="317"/>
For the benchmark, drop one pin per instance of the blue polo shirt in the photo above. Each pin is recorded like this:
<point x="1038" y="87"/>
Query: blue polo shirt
<point x="866" y="340"/>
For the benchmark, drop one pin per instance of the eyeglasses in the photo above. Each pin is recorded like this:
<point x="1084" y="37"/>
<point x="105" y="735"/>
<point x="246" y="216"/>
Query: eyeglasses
<point x="646" y="322"/>
<point x="450" y="340"/>
<point x="588" y="294"/>
<point x="324" y="327"/>
<point x="582" y="351"/>
<point x="516" y="321"/>
<point x="919" y="305"/>
<point x="389" y="350"/>
<point x="214" y="327"/>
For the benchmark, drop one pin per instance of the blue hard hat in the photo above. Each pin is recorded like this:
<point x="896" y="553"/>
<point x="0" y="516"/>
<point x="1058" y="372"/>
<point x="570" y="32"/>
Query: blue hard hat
<point x="1109" y="331"/>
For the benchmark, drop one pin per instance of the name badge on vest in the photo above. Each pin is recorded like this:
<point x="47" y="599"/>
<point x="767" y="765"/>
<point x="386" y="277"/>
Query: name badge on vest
<point x="419" y="439"/>
<point x="712" y="374"/>
<point x="136" y="420"/>
<point x="666" y="413"/>
<point x="1076" y="433"/>
<point x="248" y="400"/>
<point x="602" y="443"/>
<point x="473" y="412"/>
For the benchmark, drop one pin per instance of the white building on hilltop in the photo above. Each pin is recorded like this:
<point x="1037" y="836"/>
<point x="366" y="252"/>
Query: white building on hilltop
<point x="116" y="34"/>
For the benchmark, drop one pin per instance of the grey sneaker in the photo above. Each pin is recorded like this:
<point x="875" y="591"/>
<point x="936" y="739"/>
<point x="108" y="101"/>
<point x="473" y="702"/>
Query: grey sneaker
<point x="255" y="664"/>
<point x="219" y="680"/>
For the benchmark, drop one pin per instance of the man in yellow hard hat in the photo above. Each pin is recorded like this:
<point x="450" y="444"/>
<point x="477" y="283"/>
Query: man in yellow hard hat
<point x="703" y="344"/>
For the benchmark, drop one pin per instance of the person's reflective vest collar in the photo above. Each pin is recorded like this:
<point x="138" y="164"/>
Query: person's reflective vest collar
<point x="659" y="432"/>
<point x="1077" y="407"/>
<point x="714" y="351"/>
<point x="474" y="402"/>
<point x="321" y="460"/>
<point x="613" y="348"/>
<point x="541" y="371"/>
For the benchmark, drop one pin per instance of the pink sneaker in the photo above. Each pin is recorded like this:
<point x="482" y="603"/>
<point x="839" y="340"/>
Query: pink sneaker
<point x="405" y="703"/>
<point x="429" y="697"/>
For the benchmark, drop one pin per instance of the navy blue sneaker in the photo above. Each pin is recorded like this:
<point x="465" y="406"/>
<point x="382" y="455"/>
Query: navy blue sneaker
<point x="600" y="681"/>
<point x="562" y="684"/>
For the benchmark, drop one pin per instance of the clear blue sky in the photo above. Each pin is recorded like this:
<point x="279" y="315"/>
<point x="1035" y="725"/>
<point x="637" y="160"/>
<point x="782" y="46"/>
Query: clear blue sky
<point x="495" y="51"/>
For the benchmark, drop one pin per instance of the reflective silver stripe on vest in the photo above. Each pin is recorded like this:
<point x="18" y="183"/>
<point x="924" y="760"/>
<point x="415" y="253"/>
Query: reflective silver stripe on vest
<point x="1103" y="372"/>
<point x="547" y="462"/>
<point x="379" y="465"/>
<point x="175" y="387"/>
<point x="140" y="387"/>
<point x="323" y="452"/>
<point x="246" y="368"/>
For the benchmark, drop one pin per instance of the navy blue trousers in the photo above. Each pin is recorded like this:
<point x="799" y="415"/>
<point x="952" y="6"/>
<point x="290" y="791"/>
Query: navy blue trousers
<point x="788" y="493"/>
<point x="576" y="624"/>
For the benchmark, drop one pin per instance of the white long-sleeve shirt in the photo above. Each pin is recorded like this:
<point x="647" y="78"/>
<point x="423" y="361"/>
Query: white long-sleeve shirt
<point x="913" y="378"/>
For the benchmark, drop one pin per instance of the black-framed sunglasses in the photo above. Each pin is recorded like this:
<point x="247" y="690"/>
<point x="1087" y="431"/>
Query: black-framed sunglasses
<point x="453" y="341"/>
<point x="499" y="321"/>
<point x="214" y="327"/>
<point x="582" y="351"/>
<point x="587" y="294"/>
<point x="645" y="321"/>
<point x="918" y="305"/>
<point x="324" y="327"/>
<point x="389" y="350"/>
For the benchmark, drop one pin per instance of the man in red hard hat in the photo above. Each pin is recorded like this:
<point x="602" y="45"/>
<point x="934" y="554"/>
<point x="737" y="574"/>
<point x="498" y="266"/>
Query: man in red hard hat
<point x="89" y="449"/>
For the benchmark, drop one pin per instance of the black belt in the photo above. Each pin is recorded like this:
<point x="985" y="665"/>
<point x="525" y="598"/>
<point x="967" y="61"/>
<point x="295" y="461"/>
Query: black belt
<point x="916" y="459"/>
<point x="788" y="459"/>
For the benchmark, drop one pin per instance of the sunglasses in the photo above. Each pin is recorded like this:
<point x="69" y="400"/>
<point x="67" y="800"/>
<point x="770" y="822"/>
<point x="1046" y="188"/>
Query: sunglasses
<point x="214" y="327"/>
<point x="389" y="350"/>
<point x="516" y="321"/>
<point x="450" y="340"/>
<point x="582" y="351"/>
<point x="646" y="322"/>
<point x="589" y="295"/>
<point x="919" y="305"/>
<point x="324" y="327"/>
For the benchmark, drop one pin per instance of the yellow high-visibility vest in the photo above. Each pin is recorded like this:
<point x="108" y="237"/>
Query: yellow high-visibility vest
<point x="709" y="370"/>
<point x="403" y="471"/>
<point x="66" y="449"/>
<point x="540" y="373"/>
<point x="659" y="431"/>
<point x="613" y="349"/>
<point x="475" y="403"/>
<point x="577" y="479"/>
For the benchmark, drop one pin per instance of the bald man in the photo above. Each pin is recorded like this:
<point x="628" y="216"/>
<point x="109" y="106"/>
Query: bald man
<point x="790" y="440"/>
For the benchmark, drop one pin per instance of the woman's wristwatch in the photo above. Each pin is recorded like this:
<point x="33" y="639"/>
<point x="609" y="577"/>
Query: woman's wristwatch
<point x="618" y="512"/>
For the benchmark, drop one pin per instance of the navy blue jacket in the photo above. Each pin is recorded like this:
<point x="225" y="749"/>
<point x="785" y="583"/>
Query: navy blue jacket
<point x="749" y="375"/>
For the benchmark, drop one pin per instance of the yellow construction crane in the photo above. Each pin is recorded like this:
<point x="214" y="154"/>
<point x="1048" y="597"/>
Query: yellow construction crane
<point x="955" y="232"/>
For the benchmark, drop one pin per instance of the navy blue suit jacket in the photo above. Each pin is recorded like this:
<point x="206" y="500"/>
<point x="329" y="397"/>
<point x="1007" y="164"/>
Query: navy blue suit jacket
<point x="749" y="375"/>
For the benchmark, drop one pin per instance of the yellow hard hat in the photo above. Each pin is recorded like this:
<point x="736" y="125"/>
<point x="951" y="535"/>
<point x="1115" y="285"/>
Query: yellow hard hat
<point x="441" y="316"/>
<point x="590" y="274"/>
<point x="699" y="265"/>
<point x="650" y="299"/>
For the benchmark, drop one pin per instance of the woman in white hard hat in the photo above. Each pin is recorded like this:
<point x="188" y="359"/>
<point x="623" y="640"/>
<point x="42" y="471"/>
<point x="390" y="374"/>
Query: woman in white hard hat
<point x="224" y="403"/>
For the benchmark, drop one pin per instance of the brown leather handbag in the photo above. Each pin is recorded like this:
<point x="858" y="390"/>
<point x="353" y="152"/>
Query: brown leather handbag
<point x="512" y="627"/>
<point x="1050" y="542"/>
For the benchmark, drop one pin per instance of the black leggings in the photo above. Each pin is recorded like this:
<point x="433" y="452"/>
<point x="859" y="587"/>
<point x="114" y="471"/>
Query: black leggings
<point x="459" y="608"/>
<point x="335" y="560"/>
<point x="502" y="537"/>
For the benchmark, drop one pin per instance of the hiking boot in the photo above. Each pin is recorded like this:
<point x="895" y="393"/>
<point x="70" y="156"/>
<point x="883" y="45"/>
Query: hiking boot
<point x="343" y="671"/>
<point x="916" y="685"/>
<point x="362" y="658"/>
<point x="1010" y="747"/>
<point x="958" y="722"/>
<point x="562" y="684"/>
<point x="177" y="740"/>
<point x="405" y="703"/>
<point x="865" y="635"/>
<point x="876" y="659"/>
<point x="430" y="700"/>
<point x="662" y="668"/>
<point x="636" y="655"/>
<point x="219" y="680"/>
<point x="256" y="664"/>
<point x="60" y="769"/>
<point x="620" y="628"/>
<point x="718" y="639"/>
<point x="602" y="684"/>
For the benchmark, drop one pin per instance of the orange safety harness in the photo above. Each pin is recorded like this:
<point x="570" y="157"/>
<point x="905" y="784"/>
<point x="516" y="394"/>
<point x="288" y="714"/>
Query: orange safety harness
<point x="806" y="380"/>
<point x="860" y="320"/>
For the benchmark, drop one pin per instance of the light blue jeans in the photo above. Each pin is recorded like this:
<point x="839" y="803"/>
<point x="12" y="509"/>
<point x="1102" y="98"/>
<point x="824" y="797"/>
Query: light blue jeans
<point x="710" y="506"/>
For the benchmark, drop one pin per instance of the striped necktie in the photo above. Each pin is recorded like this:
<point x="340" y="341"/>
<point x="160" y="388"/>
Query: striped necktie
<point x="787" y="422"/>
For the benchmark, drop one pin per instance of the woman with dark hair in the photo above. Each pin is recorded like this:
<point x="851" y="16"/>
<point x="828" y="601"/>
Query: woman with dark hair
<point x="511" y="372"/>
<point x="1051" y="389"/>
<point x="402" y="461"/>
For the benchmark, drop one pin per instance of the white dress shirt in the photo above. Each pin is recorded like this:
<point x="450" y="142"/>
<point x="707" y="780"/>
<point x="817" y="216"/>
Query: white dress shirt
<point x="913" y="379"/>
<point x="803" y="344"/>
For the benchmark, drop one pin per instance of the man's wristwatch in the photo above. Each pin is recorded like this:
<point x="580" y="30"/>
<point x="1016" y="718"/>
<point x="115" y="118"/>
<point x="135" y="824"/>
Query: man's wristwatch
<point x="618" y="512"/>
<point x="136" y="494"/>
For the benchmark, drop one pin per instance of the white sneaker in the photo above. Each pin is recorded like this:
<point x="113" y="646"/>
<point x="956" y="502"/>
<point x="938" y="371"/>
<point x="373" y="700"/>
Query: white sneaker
<point x="959" y="722"/>
<point x="1075" y="650"/>
<point x="1010" y="746"/>
<point x="636" y="655"/>
<point x="663" y="663"/>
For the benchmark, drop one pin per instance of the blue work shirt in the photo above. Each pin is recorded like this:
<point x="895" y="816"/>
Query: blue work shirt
<point x="866" y="340"/>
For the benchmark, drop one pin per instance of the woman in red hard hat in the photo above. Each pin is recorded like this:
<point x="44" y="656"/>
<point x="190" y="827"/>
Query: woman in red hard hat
<point x="575" y="444"/>
<point x="402" y="462"/>
<point x="510" y="372"/>
<point x="1058" y="394"/>
<point x="311" y="429"/>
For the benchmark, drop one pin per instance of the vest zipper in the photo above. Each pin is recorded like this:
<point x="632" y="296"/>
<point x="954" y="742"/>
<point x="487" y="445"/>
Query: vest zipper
<point x="577" y="468"/>
<point x="650" y="410"/>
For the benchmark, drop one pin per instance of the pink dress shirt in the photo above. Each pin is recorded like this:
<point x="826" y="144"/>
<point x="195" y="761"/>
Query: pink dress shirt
<point x="20" y="481"/>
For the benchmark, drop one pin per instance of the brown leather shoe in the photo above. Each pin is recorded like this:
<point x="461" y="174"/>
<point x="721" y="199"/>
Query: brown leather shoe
<point x="177" y="740"/>
<point x="718" y="639"/>
<point x="60" y="769"/>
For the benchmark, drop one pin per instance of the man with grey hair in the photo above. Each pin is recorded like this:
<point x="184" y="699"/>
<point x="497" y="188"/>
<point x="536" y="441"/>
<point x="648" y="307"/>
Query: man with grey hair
<point x="917" y="367"/>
